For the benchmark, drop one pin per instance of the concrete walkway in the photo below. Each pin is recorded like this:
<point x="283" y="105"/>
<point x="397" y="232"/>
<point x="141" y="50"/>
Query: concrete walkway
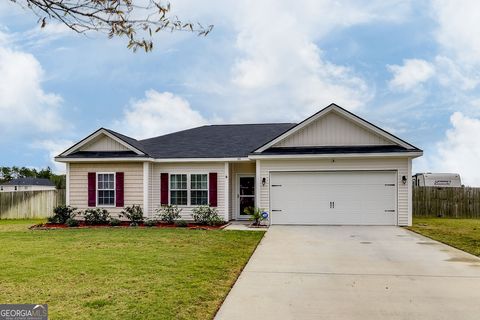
<point x="345" y="272"/>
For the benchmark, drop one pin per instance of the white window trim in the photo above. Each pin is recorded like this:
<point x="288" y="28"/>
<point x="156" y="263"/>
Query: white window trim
<point x="170" y="189"/>
<point x="114" y="190"/>
<point x="189" y="189"/>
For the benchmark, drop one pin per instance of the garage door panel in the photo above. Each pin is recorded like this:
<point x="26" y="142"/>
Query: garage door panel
<point x="359" y="197"/>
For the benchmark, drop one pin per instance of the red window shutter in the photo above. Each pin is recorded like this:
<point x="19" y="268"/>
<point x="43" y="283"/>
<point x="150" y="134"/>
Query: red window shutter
<point x="212" y="189"/>
<point x="119" y="193"/>
<point x="164" y="189"/>
<point x="92" y="189"/>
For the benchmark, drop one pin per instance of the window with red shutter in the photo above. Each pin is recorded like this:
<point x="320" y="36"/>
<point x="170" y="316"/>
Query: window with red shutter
<point x="92" y="190"/>
<point x="212" y="189"/>
<point x="119" y="189"/>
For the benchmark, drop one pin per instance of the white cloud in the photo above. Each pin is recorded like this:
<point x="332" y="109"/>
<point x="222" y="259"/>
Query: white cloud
<point x="281" y="64"/>
<point x="279" y="71"/>
<point x="457" y="35"/>
<point x="54" y="147"/>
<point x="458" y="25"/>
<point x="460" y="150"/>
<point x="24" y="104"/>
<point x="412" y="73"/>
<point x="454" y="75"/>
<point x="158" y="113"/>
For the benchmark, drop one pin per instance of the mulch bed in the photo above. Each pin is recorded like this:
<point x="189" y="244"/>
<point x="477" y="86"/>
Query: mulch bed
<point x="124" y="224"/>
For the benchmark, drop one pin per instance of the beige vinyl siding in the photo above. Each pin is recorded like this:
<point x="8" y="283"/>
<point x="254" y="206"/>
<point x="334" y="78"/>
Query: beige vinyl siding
<point x="189" y="168"/>
<point x="238" y="168"/>
<point x="401" y="165"/>
<point x="104" y="143"/>
<point x="133" y="184"/>
<point x="333" y="130"/>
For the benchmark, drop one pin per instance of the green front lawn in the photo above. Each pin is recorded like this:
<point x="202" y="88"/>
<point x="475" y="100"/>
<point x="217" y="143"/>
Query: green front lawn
<point x="463" y="234"/>
<point x="121" y="273"/>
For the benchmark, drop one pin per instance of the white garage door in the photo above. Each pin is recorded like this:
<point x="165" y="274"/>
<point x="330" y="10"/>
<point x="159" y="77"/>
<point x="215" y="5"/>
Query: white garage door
<point x="334" y="198"/>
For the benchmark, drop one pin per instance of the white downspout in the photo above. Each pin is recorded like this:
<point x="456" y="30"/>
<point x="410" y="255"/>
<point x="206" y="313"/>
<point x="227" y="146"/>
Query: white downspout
<point x="146" y="189"/>
<point x="227" y="191"/>
<point x="67" y="183"/>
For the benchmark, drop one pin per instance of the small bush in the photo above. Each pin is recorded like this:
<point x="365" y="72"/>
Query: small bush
<point x="71" y="222"/>
<point x="134" y="214"/>
<point x="256" y="215"/>
<point x="181" y="223"/>
<point x="96" y="216"/>
<point x="169" y="213"/>
<point x="62" y="213"/>
<point x="207" y="216"/>
<point x="114" y="222"/>
<point x="150" y="223"/>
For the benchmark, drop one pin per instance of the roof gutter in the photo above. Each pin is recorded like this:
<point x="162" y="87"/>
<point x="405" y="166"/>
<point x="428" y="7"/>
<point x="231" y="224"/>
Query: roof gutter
<point x="162" y="160"/>
<point x="413" y="154"/>
<point x="67" y="160"/>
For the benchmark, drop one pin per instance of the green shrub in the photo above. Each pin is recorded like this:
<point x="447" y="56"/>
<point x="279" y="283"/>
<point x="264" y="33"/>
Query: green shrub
<point x="114" y="222"/>
<point x="150" y="223"/>
<point x="207" y="216"/>
<point x="256" y="215"/>
<point x="71" y="222"/>
<point x="62" y="213"/>
<point x="134" y="214"/>
<point x="96" y="216"/>
<point x="169" y="213"/>
<point x="181" y="223"/>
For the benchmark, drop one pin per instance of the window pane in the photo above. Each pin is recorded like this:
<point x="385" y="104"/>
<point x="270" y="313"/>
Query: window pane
<point x="178" y="198"/>
<point x="199" y="181"/>
<point x="178" y="181"/>
<point x="199" y="198"/>
<point x="106" y="197"/>
<point x="247" y="186"/>
<point x="106" y="189"/>
<point x="106" y="181"/>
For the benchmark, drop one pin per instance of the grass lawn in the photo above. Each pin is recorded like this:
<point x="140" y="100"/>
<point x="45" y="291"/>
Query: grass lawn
<point x="120" y="273"/>
<point x="463" y="234"/>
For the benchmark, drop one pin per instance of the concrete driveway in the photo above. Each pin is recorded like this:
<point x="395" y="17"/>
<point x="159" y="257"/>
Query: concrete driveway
<point x="345" y="272"/>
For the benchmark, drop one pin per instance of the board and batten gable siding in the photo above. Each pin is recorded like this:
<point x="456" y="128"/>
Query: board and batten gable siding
<point x="401" y="165"/>
<point x="104" y="143"/>
<point x="133" y="183"/>
<point x="332" y="129"/>
<point x="187" y="168"/>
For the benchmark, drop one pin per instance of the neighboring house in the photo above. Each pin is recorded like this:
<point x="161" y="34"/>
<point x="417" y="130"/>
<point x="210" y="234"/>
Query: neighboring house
<point x="27" y="184"/>
<point x="332" y="168"/>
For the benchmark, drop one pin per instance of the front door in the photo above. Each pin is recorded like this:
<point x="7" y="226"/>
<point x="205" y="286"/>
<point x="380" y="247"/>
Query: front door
<point x="246" y="194"/>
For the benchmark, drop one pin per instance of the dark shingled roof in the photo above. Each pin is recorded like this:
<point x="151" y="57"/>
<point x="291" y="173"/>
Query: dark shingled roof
<point x="104" y="154"/>
<point x="29" y="182"/>
<point x="214" y="141"/>
<point x="134" y="143"/>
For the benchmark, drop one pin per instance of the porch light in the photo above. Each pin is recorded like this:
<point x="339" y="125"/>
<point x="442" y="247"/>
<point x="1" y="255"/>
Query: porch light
<point x="404" y="179"/>
<point x="264" y="181"/>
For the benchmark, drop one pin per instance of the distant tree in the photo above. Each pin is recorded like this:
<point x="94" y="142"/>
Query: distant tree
<point x="10" y="173"/>
<point x="135" y="20"/>
<point x="45" y="173"/>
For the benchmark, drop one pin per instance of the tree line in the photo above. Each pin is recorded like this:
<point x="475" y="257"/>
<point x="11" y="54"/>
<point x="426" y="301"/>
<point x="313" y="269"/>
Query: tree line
<point x="10" y="173"/>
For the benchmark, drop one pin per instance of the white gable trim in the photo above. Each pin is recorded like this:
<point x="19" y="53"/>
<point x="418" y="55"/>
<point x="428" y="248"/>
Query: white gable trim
<point x="94" y="135"/>
<point x="334" y="108"/>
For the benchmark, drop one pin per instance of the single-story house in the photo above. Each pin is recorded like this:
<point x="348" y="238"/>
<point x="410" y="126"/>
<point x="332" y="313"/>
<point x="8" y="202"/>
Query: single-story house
<point x="27" y="184"/>
<point x="332" y="168"/>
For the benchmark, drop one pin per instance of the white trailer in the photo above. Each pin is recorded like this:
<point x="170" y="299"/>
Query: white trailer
<point x="429" y="179"/>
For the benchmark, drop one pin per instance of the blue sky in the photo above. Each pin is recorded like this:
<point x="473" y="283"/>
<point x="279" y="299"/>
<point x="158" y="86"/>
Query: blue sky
<point x="411" y="67"/>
